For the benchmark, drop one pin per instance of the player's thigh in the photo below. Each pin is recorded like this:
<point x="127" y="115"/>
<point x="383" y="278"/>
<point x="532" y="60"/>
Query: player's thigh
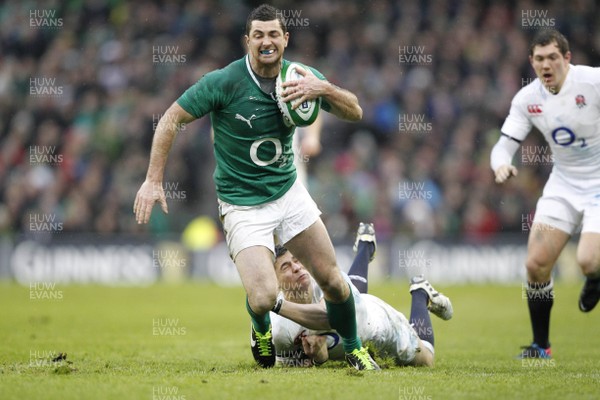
<point x="588" y="252"/>
<point x="298" y="212"/>
<point x="557" y="217"/>
<point x="313" y="247"/>
<point x="255" y="267"/>
<point x="544" y="246"/>
<point x="315" y="251"/>
<point x="248" y="226"/>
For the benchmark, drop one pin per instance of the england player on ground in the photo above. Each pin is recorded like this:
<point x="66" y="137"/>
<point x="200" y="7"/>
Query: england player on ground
<point x="310" y="340"/>
<point x="563" y="103"/>
<point x="258" y="193"/>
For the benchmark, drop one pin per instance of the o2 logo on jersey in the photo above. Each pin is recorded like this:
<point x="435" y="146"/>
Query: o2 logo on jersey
<point x="254" y="151"/>
<point x="283" y="155"/>
<point x="565" y="137"/>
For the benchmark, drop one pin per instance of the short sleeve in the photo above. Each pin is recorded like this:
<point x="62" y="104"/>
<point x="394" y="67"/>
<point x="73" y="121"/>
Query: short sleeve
<point x="517" y="125"/>
<point x="202" y="97"/>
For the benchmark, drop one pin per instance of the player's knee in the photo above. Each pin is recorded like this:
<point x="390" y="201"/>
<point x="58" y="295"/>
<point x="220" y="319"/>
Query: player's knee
<point x="334" y="287"/>
<point x="538" y="268"/>
<point x="262" y="303"/>
<point x="589" y="262"/>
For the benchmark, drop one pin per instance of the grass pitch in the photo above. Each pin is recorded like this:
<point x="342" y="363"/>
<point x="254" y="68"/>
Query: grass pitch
<point x="192" y="342"/>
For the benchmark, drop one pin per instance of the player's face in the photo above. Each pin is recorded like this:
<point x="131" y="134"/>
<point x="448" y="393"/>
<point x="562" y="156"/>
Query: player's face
<point x="291" y="274"/>
<point x="550" y="65"/>
<point x="266" y="42"/>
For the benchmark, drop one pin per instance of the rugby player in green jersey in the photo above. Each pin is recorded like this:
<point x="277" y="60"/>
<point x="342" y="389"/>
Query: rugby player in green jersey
<point x="258" y="194"/>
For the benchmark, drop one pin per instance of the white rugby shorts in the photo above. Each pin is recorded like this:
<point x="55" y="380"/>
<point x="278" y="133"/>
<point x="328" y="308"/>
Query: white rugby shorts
<point x="286" y="217"/>
<point x="568" y="207"/>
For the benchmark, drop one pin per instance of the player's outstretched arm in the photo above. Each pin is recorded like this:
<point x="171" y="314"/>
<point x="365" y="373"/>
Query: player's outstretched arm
<point x="151" y="190"/>
<point x="311" y="316"/>
<point x="344" y="104"/>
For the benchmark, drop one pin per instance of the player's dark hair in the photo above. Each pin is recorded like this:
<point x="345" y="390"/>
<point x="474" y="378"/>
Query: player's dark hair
<point x="265" y="12"/>
<point x="279" y="251"/>
<point x="547" y="36"/>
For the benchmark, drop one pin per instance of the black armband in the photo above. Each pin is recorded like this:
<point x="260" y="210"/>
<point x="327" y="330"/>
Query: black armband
<point x="510" y="137"/>
<point x="277" y="307"/>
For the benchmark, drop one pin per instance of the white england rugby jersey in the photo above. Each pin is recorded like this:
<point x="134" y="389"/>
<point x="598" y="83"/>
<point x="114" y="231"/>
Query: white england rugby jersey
<point x="569" y="120"/>
<point x="377" y="322"/>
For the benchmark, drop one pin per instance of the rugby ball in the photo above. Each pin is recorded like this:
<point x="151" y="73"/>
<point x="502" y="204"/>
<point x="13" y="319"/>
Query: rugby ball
<point x="308" y="111"/>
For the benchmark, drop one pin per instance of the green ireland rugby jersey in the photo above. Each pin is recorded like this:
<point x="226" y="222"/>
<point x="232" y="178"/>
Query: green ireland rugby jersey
<point x="252" y="144"/>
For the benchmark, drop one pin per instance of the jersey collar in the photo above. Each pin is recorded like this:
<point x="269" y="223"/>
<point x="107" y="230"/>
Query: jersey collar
<point x="568" y="80"/>
<point x="251" y="72"/>
<point x="255" y="79"/>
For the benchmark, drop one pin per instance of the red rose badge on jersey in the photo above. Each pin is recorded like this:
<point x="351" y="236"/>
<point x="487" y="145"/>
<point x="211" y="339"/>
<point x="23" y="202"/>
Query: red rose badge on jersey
<point x="580" y="101"/>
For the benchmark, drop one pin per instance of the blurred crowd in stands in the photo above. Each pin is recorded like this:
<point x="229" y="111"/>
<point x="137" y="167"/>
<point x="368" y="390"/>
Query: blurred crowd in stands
<point x="83" y="84"/>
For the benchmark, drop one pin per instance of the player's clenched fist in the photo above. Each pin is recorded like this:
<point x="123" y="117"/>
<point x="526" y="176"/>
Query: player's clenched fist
<point x="149" y="193"/>
<point x="505" y="172"/>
